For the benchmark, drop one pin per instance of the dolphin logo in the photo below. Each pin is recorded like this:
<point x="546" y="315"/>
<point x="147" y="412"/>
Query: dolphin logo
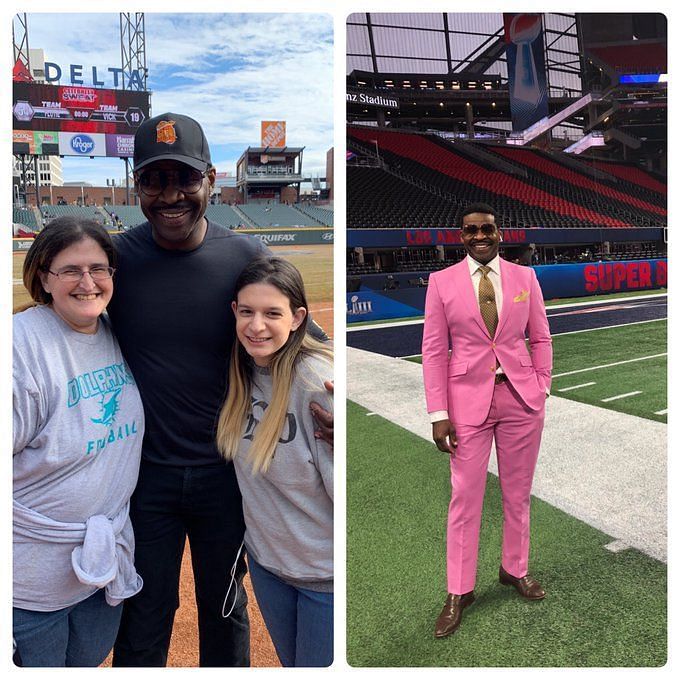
<point x="109" y="406"/>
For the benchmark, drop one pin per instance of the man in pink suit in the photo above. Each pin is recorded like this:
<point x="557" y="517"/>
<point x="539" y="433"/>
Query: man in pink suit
<point x="491" y="387"/>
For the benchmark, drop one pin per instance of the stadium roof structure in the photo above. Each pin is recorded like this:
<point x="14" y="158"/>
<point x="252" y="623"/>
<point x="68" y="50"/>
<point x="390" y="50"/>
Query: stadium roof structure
<point x="448" y="72"/>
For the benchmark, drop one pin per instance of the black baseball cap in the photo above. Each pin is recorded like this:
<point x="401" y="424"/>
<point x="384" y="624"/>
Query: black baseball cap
<point x="171" y="136"/>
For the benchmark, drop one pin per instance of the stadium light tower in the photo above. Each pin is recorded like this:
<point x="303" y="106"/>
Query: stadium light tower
<point x="20" y="40"/>
<point x="133" y="49"/>
<point x="22" y="70"/>
<point x="133" y="58"/>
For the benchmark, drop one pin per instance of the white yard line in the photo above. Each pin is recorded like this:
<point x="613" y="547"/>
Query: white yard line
<point x="604" y="328"/>
<point x="413" y="322"/>
<point x="396" y="324"/>
<point x="662" y="412"/>
<point x="616" y="363"/>
<point x="420" y="321"/>
<point x="559" y="375"/>
<point x="605" y="302"/>
<point x="621" y="396"/>
<point x="576" y="387"/>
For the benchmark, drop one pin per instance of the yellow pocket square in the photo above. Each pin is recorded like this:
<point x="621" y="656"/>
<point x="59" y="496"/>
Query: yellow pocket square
<point x="522" y="297"/>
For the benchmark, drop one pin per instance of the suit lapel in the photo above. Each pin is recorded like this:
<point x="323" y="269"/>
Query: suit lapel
<point x="467" y="293"/>
<point x="506" y="285"/>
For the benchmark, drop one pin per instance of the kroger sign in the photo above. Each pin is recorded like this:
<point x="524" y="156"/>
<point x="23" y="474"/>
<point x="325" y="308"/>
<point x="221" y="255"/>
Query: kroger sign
<point x="82" y="144"/>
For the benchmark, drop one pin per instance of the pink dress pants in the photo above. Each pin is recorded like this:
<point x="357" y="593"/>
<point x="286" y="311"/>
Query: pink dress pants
<point x="516" y="430"/>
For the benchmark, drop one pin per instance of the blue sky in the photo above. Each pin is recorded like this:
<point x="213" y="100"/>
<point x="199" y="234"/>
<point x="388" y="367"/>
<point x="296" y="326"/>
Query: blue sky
<point x="229" y="71"/>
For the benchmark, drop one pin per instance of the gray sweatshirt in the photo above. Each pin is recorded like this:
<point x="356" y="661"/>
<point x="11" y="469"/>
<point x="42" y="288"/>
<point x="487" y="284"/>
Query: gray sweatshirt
<point x="289" y="509"/>
<point x="78" y="427"/>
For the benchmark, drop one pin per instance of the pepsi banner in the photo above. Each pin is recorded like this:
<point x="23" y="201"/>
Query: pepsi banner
<point x="526" y="69"/>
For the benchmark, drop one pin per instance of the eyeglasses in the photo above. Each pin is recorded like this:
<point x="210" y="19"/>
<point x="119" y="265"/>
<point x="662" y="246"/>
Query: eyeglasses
<point x="488" y="229"/>
<point x="186" y="180"/>
<point x="74" y="275"/>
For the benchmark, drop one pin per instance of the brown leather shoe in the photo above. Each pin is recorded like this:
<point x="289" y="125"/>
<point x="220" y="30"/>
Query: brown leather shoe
<point x="527" y="586"/>
<point x="450" y="617"/>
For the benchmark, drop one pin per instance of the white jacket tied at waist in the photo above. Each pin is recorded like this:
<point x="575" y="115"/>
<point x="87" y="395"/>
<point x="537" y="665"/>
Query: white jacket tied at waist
<point x="104" y="552"/>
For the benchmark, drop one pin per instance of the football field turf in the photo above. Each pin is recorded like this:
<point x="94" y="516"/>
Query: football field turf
<point x="623" y="369"/>
<point x="603" y="608"/>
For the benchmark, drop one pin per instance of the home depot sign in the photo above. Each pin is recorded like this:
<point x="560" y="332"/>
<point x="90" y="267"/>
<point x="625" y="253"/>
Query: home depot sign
<point x="273" y="133"/>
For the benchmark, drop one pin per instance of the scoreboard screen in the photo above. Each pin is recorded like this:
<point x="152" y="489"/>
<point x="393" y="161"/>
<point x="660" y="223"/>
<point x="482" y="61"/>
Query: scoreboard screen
<point x="77" y="109"/>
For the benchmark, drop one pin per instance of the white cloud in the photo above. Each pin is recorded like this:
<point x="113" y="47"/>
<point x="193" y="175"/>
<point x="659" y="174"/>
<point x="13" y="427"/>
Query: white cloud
<point x="229" y="71"/>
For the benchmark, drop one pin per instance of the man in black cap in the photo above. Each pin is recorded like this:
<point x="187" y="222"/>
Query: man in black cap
<point x="174" y="282"/>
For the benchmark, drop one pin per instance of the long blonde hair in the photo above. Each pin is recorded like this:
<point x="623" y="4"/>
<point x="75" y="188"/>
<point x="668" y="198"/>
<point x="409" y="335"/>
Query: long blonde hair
<point x="286" y="278"/>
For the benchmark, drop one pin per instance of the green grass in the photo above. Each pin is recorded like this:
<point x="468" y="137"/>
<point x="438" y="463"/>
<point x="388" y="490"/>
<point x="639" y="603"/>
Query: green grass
<point x="607" y="346"/>
<point x="602" y="609"/>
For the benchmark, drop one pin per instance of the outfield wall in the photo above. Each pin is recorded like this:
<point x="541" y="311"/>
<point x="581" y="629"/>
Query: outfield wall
<point x="371" y="303"/>
<point x="307" y="236"/>
<point x="419" y="238"/>
<point x="274" y="237"/>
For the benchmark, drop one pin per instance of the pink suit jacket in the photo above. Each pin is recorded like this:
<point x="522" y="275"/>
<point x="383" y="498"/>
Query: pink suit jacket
<point x="463" y="384"/>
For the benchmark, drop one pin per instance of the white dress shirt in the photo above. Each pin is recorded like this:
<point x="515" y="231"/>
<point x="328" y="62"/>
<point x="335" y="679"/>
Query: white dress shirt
<point x="476" y="276"/>
<point x="494" y="276"/>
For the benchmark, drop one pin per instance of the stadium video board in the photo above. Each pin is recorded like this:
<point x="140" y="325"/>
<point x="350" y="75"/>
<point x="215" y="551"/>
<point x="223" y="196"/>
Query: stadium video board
<point x="87" y="121"/>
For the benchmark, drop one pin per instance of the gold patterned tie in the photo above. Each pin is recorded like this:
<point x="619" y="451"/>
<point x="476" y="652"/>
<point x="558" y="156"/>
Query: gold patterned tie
<point x="487" y="301"/>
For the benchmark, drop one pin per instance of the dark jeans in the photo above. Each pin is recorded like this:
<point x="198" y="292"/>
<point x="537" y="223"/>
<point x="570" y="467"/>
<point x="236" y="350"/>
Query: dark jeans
<point x="299" y="621"/>
<point x="169" y="504"/>
<point x="80" y="635"/>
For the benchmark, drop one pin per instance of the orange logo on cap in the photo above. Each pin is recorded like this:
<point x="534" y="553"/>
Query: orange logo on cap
<point x="165" y="132"/>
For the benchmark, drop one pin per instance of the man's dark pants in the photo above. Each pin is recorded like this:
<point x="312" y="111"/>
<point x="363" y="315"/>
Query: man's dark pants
<point x="169" y="504"/>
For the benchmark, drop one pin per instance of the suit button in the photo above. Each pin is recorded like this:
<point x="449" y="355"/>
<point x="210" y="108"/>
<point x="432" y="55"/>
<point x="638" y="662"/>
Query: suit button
<point x="493" y="369"/>
<point x="493" y="344"/>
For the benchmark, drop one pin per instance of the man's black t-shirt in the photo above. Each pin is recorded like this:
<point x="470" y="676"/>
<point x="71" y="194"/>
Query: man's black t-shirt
<point x="171" y="312"/>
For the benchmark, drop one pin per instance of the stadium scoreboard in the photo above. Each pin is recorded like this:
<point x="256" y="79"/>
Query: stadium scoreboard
<point x="76" y="120"/>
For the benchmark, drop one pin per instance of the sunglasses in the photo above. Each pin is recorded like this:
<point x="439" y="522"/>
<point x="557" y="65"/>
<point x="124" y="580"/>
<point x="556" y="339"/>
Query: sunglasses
<point x="186" y="180"/>
<point x="488" y="229"/>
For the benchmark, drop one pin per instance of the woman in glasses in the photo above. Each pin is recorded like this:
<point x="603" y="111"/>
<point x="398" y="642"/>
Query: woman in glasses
<point x="78" y="426"/>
